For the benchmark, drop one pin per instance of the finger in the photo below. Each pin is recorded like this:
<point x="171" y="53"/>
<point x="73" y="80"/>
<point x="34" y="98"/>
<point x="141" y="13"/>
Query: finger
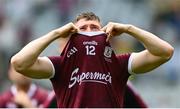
<point x="74" y="31"/>
<point x="108" y="30"/>
<point x="109" y="33"/>
<point x="104" y="28"/>
<point x="108" y="37"/>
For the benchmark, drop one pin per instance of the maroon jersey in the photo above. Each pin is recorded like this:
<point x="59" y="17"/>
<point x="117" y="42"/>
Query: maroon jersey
<point x="36" y="94"/>
<point x="132" y="99"/>
<point x="89" y="74"/>
<point x="51" y="101"/>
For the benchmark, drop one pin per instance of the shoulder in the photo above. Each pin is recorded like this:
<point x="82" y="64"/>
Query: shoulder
<point x="125" y="61"/>
<point x="124" y="56"/>
<point x="56" y="62"/>
<point x="54" y="59"/>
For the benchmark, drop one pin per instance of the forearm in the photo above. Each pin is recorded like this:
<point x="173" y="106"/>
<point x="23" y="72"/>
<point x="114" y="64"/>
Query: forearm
<point x="29" y="54"/>
<point x="152" y="43"/>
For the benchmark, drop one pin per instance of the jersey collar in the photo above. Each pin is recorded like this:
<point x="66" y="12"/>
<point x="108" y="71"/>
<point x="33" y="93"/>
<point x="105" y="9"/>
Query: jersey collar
<point x="91" y="33"/>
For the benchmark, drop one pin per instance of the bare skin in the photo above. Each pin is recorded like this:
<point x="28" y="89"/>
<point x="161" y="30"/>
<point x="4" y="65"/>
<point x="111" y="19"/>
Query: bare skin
<point x="157" y="51"/>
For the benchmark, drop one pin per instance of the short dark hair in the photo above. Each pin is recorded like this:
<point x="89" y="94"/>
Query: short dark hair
<point x="87" y="16"/>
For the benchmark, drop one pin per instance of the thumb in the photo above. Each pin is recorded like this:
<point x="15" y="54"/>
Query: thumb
<point x="109" y="33"/>
<point x="108" y="37"/>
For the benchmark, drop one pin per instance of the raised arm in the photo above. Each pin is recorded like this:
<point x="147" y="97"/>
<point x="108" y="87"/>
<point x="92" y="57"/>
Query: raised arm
<point x="28" y="62"/>
<point x="157" y="50"/>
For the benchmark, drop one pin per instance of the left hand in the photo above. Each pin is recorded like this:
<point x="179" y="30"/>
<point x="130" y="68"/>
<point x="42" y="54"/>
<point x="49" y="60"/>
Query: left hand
<point x="114" y="29"/>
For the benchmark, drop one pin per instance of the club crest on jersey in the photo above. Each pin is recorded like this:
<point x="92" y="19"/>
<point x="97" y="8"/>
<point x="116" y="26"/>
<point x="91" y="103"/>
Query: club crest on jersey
<point x="108" y="51"/>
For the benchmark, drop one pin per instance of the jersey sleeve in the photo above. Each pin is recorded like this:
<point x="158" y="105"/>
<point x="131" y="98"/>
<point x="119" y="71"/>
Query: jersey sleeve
<point x="130" y="64"/>
<point x="50" y="102"/>
<point x="56" y="64"/>
<point x="125" y="61"/>
<point x="40" y="96"/>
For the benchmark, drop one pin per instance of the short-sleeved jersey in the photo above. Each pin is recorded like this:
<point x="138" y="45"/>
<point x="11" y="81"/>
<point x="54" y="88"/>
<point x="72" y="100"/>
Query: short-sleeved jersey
<point x="51" y="101"/>
<point x="36" y="94"/>
<point x="88" y="73"/>
<point x="132" y="99"/>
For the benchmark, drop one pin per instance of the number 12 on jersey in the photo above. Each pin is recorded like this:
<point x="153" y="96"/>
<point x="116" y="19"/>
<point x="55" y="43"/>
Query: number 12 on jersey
<point x="90" y="50"/>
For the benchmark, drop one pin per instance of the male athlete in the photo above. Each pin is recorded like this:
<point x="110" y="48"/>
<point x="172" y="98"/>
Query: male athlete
<point x="88" y="73"/>
<point x="23" y="93"/>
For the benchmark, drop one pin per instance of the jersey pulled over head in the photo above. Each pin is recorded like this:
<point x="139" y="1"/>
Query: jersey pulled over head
<point x="88" y="48"/>
<point x="89" y="74"/>
<point x="89" y="53"/>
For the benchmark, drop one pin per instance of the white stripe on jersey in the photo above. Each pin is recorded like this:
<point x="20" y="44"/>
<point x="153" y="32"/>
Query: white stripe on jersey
<point x="92" y="33"/>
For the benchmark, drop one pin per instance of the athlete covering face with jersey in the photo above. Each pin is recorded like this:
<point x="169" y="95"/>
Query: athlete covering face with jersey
<point x="88" y="73"/>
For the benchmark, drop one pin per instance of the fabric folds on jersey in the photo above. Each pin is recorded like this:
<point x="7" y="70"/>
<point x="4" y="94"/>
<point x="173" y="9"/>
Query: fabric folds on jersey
<point x="90" y="74"/>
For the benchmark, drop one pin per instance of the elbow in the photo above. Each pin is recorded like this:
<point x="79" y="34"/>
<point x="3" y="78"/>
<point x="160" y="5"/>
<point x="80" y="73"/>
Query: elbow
<point x="169" y="53"/>
<point x="16" y="64"/>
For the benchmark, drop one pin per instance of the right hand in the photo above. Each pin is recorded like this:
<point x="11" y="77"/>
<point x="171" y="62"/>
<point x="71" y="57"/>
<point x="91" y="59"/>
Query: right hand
<point x="66" y="30"/>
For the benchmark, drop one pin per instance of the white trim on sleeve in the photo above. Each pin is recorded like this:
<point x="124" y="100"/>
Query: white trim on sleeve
<point x="130" y="64"/>
<point x="53" y="72"/>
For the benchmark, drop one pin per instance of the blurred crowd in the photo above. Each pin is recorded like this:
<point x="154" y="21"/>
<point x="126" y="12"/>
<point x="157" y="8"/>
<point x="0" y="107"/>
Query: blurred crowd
<point x="24" y="20"/>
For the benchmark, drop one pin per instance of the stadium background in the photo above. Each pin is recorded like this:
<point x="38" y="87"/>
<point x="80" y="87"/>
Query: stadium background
<point x="24" y="20"/>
